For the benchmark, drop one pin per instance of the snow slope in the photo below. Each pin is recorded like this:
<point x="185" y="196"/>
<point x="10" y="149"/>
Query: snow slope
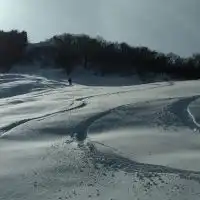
<point x="98" y="142"/>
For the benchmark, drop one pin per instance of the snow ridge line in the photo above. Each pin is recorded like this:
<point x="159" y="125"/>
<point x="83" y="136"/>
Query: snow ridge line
<point x="192" y="117"/>
<point x="153" y="86"/>
<point x="9" y="127"/>
<point x="181" y="109"/>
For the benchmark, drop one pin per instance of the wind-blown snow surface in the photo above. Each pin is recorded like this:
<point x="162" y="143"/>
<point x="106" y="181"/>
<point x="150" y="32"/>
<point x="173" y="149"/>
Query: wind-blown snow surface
<point x="98" y="142"/>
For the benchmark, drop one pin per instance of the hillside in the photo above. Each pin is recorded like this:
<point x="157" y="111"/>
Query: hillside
<point x="98" y="141"/>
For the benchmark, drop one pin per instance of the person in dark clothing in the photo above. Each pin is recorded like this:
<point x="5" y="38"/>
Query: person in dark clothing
<point x="70" y="81"/>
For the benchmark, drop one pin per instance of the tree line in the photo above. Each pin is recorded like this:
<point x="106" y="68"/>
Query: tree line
<point x="12" y="48"/>
<point x="69" y="50"/>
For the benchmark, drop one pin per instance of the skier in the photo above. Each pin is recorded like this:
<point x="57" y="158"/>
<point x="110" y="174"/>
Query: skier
<point x="70" y="81"/>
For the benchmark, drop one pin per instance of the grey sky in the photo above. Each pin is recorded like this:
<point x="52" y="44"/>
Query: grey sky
<point x="165" y="25"/>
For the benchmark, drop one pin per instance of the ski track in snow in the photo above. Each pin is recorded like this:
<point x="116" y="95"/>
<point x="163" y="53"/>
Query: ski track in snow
<point x="78" y="103"/>
<point x="74" y="105"/>
<point x="79" y="155"/>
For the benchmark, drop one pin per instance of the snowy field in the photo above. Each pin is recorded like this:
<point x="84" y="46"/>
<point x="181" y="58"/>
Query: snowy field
<point x="101" y="139"/>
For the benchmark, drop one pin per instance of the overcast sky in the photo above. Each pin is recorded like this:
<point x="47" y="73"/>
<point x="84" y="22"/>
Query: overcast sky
<point x="165" y="25"/>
